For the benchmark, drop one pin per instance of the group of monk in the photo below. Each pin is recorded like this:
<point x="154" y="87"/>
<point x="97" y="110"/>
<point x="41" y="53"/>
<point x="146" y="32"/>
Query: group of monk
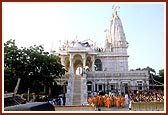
<point x="107" y="101"/>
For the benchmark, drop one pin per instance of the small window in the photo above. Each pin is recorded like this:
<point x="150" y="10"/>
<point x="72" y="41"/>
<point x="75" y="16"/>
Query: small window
<point x="139" y="81"/>
<point x="112" y="87"/>
<point x="140" y="86"/>
<point x="111" y="49"/>
<point x="89" y="88"/>
<point x="100" y="88"/>
<point x="98" y="65"/>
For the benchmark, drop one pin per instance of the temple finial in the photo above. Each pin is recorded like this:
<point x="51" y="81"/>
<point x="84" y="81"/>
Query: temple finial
<point x="115" y="9"/>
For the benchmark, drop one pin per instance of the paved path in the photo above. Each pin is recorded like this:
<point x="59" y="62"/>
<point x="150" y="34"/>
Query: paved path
<point x="74" y="108"/>
<point x="88" y="108"/>
<point x="113" y="109"/>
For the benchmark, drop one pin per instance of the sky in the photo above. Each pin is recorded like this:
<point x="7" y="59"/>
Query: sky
<point x="48" y="23"/>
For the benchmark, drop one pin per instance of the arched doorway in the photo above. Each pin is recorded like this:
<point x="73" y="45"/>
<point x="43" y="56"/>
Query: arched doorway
<point x="88" y="64"/>
<point x="89" y="88"/>
<point x="77" y="64"/>
<point x="78" y="71"/>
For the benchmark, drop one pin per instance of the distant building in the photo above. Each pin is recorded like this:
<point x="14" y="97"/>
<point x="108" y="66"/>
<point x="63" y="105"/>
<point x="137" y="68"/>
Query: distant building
<point x="92" y="68"/>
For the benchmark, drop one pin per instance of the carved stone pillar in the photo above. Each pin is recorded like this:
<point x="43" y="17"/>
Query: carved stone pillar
<point x="84" y="63"/>
<point x="94" y="86"/>
<point x="63" y="60"/>
<point x="71" y="64"/>
<point x="119" y="88"/>
<point x="93" y="60"/>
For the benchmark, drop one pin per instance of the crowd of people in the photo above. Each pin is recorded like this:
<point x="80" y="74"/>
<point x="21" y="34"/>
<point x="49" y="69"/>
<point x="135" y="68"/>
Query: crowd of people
<point x="147" y="96"/>
<point x="112" y="99"/>
<point x="107" y="101"/>
<point x="124" y="100"/>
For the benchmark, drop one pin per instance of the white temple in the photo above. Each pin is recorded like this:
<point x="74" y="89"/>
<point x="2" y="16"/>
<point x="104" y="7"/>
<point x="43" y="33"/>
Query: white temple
<point x="94" y="69"/>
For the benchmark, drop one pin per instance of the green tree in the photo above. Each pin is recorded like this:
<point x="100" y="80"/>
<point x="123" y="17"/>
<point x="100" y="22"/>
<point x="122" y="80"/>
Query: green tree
<point x="161" y="72"/>
<point x="156" y="81"/>
<point x="161" y="76"/>
<point x="11" y="61"/>
<point x="159" y="80"/>
<point x="35" y="67"/>
<point x="149" y="69"/>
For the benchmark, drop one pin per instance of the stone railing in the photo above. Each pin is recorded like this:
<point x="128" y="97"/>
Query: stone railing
<point x="74" y="108"/>
<point x="147" y="106"/>
<point x="69" y="94"/>
<point x="83" y="90"/>
<point x="116" y="74"/>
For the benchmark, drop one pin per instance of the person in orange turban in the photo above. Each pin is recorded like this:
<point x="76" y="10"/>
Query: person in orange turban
<point x="123" y="101"/>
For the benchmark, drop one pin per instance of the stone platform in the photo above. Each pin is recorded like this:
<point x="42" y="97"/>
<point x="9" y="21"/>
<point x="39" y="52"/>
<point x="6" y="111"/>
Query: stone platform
<point x="88" y="108"/>
<point x="74" y="108"/>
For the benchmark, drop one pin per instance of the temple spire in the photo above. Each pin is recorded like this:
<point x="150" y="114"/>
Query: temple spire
<point x="115" y="36"/>
<point x="115" y="9"/>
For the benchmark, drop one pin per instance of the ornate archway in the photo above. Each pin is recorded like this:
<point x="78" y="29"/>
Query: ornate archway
<point x="77" y="64"/>
<point x="89" y="63"/>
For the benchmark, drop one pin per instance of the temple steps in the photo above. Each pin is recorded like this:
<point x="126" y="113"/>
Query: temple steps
<point x="77" y="90"/>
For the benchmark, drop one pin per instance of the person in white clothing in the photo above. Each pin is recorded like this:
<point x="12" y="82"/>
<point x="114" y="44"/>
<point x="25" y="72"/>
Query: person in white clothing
<point x="126" y="99"/>
<point x="130" y="102"/>
<point x="61" y="101"/>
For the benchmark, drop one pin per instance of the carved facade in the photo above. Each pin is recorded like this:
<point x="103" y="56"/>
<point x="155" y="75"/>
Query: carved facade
<point x="105" y="69"/>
